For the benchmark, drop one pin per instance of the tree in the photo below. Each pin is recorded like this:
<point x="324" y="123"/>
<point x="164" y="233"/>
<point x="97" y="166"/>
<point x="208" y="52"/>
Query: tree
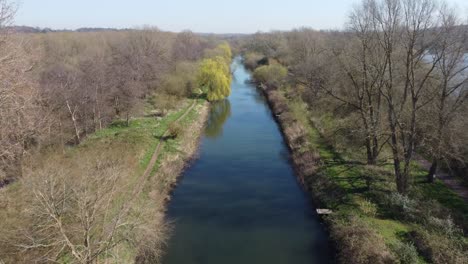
<point x="221" y="51"/>
<point x="214" y="78"/>
<point x="361" y="64"/>
<point x="187" y="46"/>
<point x="270" y="74"/>
<point x="19" y="116"/>
<point x="406" y="34"/>
<point x="138" y="63"/>
<point x="75" y="211"/>
<point x="61" y="92"/>
<point x="451" y="88"/>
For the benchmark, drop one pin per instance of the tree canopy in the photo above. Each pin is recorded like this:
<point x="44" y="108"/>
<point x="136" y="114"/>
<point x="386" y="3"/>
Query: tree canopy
<point x="214" y="76"/>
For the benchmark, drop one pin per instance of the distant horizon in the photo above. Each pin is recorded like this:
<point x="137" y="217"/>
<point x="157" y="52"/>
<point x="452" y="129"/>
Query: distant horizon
<point x="163" y="30"/>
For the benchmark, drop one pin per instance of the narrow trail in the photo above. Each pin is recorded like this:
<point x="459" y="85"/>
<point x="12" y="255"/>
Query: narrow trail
<point x="450" y="181"/>
<point x="149" y="168"/>
<point x="157" y="151"/>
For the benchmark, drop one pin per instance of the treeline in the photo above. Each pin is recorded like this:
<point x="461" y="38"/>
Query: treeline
<point x="397" y="77"/>
<point x="372" y="101"/>
<point x="87" y="79"/>
<point x="69" y="85"/>
<point x="89" y="203"/>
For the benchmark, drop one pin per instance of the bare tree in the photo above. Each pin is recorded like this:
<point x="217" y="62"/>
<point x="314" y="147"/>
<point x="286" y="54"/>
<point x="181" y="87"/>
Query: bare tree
<point x="62" y="94"/>
<point x="18" y="110"/>
<point x="359" y="60"/>
<point x="138" y="63"/>
<point x="406" y="36"/>
<point x="187" y="46"/>
<point x="452" y="86"/>
<point x="76" y="209"/>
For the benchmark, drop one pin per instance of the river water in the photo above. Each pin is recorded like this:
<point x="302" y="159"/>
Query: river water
<point x="240" y="202"/>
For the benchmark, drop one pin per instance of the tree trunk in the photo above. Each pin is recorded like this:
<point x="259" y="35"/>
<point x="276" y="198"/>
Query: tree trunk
<point x="371" y="159"/>
<point x="432" y="171"/>
<point x="75" y="125"/>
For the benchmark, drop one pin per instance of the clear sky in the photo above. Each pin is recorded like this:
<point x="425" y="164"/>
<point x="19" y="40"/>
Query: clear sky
<point x="216" y="16"/>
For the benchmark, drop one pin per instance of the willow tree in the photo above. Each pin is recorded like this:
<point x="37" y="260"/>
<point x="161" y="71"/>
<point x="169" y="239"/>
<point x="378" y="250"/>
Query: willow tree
<point x="214" y="78"/>
<point x="222" y="50"/>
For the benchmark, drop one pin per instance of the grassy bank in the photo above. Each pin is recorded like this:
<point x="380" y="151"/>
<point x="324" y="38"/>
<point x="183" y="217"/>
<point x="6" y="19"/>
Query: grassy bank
<point x="371" y="223"/>
<point x="135" y="200"/>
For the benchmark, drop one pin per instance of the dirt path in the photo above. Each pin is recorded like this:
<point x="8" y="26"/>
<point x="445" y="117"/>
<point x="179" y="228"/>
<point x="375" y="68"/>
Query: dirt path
<point x="449" y="180"/>
<point x="156" y="152"/>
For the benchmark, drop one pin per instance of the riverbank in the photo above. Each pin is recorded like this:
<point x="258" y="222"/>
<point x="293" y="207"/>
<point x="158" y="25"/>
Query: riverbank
<point x="146" y="158"/>
<point x="369" y="221"/>
<point x="240" y="202"/>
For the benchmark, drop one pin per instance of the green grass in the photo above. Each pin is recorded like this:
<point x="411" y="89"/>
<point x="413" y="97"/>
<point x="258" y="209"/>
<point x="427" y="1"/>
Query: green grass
<point x="352" y="177"/>
<point x="140" y="140"/>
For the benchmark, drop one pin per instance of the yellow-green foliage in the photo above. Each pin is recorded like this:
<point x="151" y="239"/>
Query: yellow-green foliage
<point x="214" y="76"/>
<point x="223" y="50"/>
<point x="272" y="74"/>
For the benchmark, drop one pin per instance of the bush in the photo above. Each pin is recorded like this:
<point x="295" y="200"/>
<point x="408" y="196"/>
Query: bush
<point x="164" y="102"/>
<point x="270" y="74"/>
<point x="174" y="130"/>
<point x="182" y="82"/>
<point x="358" y="243"/>
<point x="368" y="208"/>
<point x="406" y="252"/>
<point x="402" y="207"/>
<point x="445" y="226"/>
<point x="439" y="248"/>
<point x="251" y="60"/>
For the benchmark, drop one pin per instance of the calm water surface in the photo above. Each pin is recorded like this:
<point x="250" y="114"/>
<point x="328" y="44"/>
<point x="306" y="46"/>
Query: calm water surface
<point x="240" y="202"/>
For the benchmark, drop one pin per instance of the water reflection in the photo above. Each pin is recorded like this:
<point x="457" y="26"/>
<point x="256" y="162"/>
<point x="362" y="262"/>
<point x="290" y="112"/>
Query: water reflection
<point x="220" y="112"/>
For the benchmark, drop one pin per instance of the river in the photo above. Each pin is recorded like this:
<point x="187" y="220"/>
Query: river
<point x="240" y="202"/>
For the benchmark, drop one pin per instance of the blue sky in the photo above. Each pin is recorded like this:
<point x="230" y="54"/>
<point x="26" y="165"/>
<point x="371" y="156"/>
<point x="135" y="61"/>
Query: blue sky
<point x="239" y="16"/>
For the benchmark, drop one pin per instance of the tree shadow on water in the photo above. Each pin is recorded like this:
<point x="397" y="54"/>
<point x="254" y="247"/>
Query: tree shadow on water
<point x="220" y="112"/>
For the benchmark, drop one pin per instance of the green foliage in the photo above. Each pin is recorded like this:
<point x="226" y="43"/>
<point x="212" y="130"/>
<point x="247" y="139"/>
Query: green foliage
<point x="223" y="50"/>
<point x="214" y="77"/>
<point x="182" y="82"/>
<point x="406" y="252"/>
<point x="350" y="187"/>
<point x="271" y="74"/>
<point x="368" y="208"/>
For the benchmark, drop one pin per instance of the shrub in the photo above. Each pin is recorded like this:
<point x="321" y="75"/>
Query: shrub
<point x="174" y="130"/>
<point x="402" y="206"/>
<point x="358" y="243"/>
<point x="271" y="74"/>
<point x="439" y="248"/>
<point x="445" y="226"/>
<point x="368" y="208"/>
<point x="406" y="252"/>
<point x="164" y="102"/>
<point x="182" y="82"/>
<point x="251" y="60"/>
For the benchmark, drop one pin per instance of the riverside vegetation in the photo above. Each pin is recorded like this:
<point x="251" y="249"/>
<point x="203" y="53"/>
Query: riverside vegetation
<point x="103" y="125"/>
<point x="97" y="126"/>
<point x="356" y="106"/>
